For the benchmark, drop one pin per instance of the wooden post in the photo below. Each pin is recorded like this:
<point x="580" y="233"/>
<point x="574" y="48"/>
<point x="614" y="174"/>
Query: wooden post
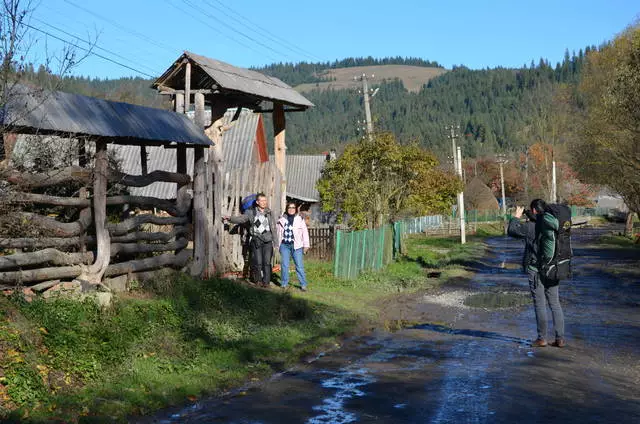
<point x="187" y="87"/>
<point x="199" y="213"/>
<point x="179" y="103"/>
<point x="143" y="160"/>
<point x="217" y="169"/>
<point x="181" y="150"/>
<point x="93" y="274"/>
<point x="280" y="149"/>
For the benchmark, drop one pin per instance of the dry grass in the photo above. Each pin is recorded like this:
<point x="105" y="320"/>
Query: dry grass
<point x="413" y="77"/>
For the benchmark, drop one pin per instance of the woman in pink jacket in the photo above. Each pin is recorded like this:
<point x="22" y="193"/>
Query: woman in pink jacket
<point x="293" y="239"/>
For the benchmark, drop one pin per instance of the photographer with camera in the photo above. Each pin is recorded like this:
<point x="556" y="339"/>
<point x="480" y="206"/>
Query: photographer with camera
<point x="541" y="295"/>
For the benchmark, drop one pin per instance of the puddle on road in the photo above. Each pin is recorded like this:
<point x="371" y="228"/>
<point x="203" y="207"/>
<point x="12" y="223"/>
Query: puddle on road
<point x="497" y="300"/>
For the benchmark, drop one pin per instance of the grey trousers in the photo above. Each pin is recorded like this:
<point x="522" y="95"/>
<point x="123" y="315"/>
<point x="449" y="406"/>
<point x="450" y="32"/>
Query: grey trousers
<point x="541" y="297"/>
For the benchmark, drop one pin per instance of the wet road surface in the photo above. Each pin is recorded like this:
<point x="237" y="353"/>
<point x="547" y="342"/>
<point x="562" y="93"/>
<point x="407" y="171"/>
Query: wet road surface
<point x="465" y="364"/>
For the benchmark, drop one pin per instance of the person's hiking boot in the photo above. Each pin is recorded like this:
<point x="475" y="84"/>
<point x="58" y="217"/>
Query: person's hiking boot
<point x="559" y="342"/>
<point x="304" y="289"/>
<point x="539" y="342"/>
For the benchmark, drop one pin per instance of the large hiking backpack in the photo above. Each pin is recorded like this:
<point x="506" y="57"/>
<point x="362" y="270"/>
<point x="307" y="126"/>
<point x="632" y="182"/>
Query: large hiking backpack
<point x="559" y="268"/>
<point x="248" y="202"/>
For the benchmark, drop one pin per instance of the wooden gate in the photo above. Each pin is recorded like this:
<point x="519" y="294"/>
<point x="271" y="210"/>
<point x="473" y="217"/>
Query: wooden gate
<point x="237" y="184"/>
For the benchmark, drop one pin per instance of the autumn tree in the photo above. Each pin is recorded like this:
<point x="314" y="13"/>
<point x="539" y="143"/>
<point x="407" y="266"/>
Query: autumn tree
<point x="608" y="151"/>
<point x="378" y="179"/>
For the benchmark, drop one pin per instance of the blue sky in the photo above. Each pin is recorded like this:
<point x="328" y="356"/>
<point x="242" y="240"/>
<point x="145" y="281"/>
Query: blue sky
<point x="148" y="35"/>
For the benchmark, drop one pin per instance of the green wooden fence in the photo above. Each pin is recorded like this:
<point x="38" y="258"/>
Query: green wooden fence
<point x="364" y="250"/>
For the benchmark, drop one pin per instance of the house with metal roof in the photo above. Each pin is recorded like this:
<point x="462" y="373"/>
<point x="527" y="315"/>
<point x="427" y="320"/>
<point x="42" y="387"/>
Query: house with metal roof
<point x="244" y="145"/>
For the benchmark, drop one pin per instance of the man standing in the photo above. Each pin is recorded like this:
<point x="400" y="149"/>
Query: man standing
<point x="547" y="227"/>
<point x="261" y="225"/>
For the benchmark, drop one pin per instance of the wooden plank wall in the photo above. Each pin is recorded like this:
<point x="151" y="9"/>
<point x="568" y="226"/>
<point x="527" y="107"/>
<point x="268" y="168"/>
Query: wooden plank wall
<point x="237" y="184"/>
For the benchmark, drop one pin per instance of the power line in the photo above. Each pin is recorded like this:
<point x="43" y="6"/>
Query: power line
<point x="91" y="52"/>
<point x="234" y="29"/>
<point x="93" y="44"/>
<point x="196" y="17"/>
<point x="117" y="25"/>
<point x="284" y="43"/>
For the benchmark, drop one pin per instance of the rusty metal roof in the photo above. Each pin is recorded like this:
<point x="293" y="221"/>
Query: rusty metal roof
<point x="303" y="173"/>
<point x="238" y="145"/>
<point x="229" y="79"/>
<point x="44" y="112"/>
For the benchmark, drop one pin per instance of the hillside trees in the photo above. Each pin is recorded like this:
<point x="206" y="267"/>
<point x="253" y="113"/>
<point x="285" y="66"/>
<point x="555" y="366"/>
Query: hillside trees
<point x="608" y="151"/>
<point x="375" y="180"/>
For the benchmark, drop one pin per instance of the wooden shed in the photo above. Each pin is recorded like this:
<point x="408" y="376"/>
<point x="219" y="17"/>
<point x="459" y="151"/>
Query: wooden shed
<point x="208" y="83"/>
<point x="77" y="242"/>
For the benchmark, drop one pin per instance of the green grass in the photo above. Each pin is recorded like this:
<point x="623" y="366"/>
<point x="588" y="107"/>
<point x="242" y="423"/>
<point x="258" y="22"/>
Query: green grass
<point x="177" y="339"/>
<point x="619" y="241"/>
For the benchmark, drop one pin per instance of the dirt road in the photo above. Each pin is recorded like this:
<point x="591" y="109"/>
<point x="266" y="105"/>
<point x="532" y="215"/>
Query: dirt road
<point x="462" y="364"/>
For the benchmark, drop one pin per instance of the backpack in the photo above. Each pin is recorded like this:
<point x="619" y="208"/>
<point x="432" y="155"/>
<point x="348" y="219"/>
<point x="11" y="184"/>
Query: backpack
<point x="559" y="268"/>
<point x="248" y="202"/>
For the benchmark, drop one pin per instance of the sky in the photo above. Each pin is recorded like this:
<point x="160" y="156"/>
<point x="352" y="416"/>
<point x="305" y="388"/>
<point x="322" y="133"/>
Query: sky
<point x="146" y="36"/>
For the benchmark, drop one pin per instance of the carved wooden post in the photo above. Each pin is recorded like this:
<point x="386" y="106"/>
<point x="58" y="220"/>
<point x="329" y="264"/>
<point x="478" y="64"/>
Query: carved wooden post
<point x="280" y="150"/>
<point x="93" y="274"/>
<point x="218" y="170"/>
<point x="199" y="213"/>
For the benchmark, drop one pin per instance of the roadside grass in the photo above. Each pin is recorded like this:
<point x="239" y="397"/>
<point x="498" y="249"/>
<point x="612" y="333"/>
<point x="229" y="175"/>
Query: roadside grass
<point x="619" y="241"/>
<point x="177" y="339"/>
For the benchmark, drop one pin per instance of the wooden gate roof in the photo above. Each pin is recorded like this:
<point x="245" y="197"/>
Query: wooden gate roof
<point x="245" y="87"/>
<point x="44" y="112"/>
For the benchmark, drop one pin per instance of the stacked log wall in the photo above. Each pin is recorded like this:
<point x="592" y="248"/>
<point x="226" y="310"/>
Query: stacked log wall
<point x="55" y="249"/>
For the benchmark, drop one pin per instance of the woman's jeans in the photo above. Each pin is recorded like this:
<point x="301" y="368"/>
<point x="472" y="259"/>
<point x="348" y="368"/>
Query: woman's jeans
<point x="286" y="252"/>
<point x="541" y="296"/>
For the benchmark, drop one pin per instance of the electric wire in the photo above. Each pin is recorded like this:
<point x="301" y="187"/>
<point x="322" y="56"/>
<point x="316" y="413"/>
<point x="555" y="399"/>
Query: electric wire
<point x="281" y="41"/>
<point x="234" y="29"/>
<point x="196" y="17"/>
<point x="89" y="51"/>
<point x="94" y="45"/>
<point x="123" y="28"/>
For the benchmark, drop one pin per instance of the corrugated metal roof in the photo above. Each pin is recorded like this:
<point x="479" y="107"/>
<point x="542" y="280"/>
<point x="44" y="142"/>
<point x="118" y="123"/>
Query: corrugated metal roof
<point x="229" y="77"/>
<point x="303" y="173"/>
<point x="238" y="150"/>
<point x="57" y="112"/>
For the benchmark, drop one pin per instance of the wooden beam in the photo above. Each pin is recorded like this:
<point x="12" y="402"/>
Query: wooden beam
<point x="93" y="274"/>
<point x="187" y="86"/>
<point x="143" y="160"/>
<point x="199" y="213"/>
<point x="193" y="91"/>
<point x="280" y="148"/>
<point x="46" y="256"/>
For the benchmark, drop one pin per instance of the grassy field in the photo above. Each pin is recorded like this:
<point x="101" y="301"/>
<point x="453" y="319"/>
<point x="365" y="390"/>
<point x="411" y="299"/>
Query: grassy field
<point x="178" y="339"/>
<point x="413" y="77"/>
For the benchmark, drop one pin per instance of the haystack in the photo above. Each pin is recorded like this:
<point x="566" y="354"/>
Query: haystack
<point x="478" y="196"/>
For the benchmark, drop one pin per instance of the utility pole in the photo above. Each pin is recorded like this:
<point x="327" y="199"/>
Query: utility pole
<point x="367" y="107"/>
<point x="457" y="168"/>
<point x="502" y="160"/>
<point x="463" y="231"/>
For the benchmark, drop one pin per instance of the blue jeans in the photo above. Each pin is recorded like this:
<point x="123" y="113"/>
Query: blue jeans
<point x="543" y="296"/>
<point x="286" y="252"/>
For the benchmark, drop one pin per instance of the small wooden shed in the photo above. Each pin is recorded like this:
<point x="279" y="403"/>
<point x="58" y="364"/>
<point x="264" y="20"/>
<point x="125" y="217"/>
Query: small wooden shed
<point x="88" y="247"/>
<point x="208" y="83"/>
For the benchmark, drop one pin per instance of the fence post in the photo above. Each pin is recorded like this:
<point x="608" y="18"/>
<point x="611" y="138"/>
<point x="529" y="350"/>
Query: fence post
<point x="381" y="247"/>
<point x="336" y="255"/>
<point x="350" y="253"/>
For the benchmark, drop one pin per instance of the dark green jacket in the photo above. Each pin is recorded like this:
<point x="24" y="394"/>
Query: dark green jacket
<point x="546" y="230"/>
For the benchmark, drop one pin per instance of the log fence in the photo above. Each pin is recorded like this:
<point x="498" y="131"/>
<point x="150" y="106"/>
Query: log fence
<point x="81" y="249"/>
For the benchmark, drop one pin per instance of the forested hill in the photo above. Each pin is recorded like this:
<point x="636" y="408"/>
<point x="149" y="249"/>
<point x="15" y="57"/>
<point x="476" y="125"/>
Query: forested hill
<point x="496" y="108"/>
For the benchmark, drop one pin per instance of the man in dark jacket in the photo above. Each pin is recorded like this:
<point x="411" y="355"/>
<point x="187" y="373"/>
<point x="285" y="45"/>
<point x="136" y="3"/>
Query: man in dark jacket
<point x="261" y="225"/>
<point x="541" y="296"/>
